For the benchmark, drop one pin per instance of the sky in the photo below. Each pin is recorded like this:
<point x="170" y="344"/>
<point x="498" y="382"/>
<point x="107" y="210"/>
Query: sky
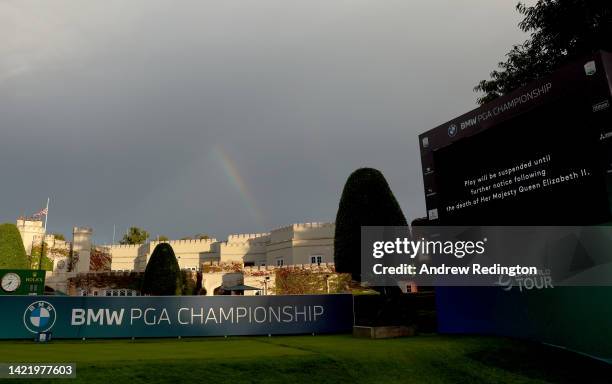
<point x="219" y="117"/>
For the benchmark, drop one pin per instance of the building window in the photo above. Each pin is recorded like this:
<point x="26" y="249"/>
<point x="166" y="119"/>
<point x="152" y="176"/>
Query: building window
<point x="280" y="262"/>
<point x="316" y="259"/>
<point x="120" y="292"/>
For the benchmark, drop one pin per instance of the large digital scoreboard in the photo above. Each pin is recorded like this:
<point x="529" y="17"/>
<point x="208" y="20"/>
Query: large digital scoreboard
<point x="541" y="155"/>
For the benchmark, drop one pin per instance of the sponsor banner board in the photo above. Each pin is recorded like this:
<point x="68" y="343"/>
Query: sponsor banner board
<point x="172" y="316"/>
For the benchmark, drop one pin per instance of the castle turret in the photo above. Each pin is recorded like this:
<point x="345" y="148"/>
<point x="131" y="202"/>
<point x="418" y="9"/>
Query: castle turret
<point x="81" y="248"/>
<point x="31" y="231"/>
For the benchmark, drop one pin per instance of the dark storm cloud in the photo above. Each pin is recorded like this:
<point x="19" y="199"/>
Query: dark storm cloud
<point x="226" y="116"/>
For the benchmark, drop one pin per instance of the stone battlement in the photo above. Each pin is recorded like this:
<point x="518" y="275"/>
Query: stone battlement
<point x="303" y="225"/>
<point x="155" y="242"/>
<point x="313" y="225"/>
<point x="82" y="230"/>
<point x="29" y="222"/>
<point x="121" y="246"/>
<point x="246" y="236"/>
<point x="244" y="244"/>
<point x="187" y="241"/>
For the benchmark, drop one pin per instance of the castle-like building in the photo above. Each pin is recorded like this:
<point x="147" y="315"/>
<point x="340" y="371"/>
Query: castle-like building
<point x="304" y="244"/>
<point x="307" y="243"/>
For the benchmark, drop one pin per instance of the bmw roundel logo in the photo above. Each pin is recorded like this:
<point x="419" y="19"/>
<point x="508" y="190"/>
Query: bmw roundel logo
<point x="39" y="316"/>
<point x="452" y="130"/>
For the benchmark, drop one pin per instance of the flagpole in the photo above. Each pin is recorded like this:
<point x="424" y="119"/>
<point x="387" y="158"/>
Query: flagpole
<point x="46" y="215"/>
<point x="42" y="244"/>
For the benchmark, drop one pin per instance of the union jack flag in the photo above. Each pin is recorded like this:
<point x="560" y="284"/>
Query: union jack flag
<point x="42" y="212"/>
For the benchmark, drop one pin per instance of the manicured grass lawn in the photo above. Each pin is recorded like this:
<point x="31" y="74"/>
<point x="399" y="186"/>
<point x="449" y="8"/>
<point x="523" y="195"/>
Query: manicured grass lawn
<point x="313" y="359"/>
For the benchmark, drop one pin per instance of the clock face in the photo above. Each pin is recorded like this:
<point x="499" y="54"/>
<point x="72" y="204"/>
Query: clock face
<point x="10" y="282"/>
<point x="61" y="264"/>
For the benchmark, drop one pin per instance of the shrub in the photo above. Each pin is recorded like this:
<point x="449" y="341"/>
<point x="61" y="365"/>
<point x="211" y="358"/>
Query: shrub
<point x="12" y="252"/>
<point x="162" y="275"/>
<point x="295" y="281"/>
<point x="190" y="285"/>
<point x="366" y="200"/>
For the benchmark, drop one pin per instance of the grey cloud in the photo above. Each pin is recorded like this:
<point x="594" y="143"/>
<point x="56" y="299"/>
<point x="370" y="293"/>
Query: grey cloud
<point x="115" y="109"/>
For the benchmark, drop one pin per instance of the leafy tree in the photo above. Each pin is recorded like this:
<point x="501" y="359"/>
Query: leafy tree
<point x="162" y="238"/>
<point x="560" y="31"/>
<point x="162" y="275"/>
<point x="59" y="236"/>
<point x="366" y="200"/>
<point x="135" y="235"/>
<point x="12" y="251"/>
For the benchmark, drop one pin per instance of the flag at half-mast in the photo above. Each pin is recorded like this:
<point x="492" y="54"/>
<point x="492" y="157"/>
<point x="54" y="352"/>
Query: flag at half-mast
<point x="42" y="212"/>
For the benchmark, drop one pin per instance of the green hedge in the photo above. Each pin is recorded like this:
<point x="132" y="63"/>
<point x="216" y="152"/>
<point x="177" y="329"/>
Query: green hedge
<point x="12" y="252"/>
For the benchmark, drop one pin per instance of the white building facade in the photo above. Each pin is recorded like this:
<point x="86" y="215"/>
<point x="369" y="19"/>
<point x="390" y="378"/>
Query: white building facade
<point x="303" y="245"/>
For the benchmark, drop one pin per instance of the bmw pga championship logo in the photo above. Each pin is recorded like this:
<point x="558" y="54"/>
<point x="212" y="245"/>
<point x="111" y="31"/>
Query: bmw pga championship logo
<point x="39" y="317"/>
<point x="452" y="130"/>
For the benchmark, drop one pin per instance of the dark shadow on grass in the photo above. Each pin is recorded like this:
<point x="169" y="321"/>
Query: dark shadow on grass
<point x="543" y="362"/>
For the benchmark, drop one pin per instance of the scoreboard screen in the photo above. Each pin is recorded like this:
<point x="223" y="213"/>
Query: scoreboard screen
<point x="540" y="155"/>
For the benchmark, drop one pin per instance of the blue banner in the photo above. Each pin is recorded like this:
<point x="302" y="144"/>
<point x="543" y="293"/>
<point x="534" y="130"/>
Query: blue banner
<point x="576" y="318"/>
<point x="171" y="316"/>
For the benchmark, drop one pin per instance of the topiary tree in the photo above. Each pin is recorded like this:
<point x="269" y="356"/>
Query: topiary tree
<point x="12" y="252"/>
<point x="366" y="200"/>
<point x="162" y="275"/>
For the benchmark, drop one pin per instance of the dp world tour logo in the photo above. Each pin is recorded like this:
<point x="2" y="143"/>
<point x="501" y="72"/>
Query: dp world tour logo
<point x="39" y="317"/>
<point x="452" y="130"/>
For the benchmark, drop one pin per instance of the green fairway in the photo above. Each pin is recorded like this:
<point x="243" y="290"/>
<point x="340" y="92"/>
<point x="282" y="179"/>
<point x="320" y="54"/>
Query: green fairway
<point x="313" y="359"/>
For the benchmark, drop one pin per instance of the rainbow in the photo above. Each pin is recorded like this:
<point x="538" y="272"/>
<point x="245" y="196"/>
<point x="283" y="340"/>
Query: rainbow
<point x="220" y="156"/>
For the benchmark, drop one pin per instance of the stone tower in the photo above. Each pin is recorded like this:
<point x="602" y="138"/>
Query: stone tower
<point x="81" y="246"/>
<point x="31" y="231"/>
